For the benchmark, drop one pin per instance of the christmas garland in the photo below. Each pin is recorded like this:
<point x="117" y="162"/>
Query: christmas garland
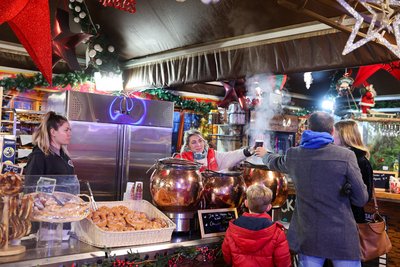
<point x="25" y="83"/>
<point x="198" y="107"/>
<point x="180" y="257"/>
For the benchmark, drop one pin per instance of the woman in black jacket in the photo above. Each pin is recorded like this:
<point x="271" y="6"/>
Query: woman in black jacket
<point x="50" y="156"/>
<point x="347" y="134"/>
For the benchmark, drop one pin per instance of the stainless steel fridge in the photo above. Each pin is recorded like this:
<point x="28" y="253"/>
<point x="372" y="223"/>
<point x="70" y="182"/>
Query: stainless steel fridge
<point x="115" y="139"/>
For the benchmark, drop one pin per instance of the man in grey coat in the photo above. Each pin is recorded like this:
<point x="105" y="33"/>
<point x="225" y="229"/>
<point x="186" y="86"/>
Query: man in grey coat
<point x="327" y="180"/>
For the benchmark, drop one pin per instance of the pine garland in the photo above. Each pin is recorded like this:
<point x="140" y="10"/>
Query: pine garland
<point x="198" y="107"/>
<point x="184" y="256"/>
<point x="25" y="83"/>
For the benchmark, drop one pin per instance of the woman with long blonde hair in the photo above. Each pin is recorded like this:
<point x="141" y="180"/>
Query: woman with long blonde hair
<point x="50" y="155"/>
<point x="346" y="134"/>
<point x="195" y="148"/>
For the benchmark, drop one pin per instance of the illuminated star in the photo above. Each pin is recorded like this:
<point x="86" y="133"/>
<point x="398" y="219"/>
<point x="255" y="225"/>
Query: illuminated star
<point x="386" y="23"/>
<point x="350" y="45"/>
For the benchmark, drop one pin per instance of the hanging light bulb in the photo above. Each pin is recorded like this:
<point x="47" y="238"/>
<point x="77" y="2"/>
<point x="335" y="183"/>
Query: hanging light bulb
<point x="308" y="79"/>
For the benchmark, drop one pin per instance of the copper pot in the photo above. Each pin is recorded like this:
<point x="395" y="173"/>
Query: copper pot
<point x="176" y="185"/>
<point x="224" y="189"/>
<point x="276" y="181"/>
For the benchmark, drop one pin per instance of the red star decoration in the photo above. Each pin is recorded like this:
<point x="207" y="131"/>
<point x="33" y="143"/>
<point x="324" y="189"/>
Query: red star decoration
<point x="30" y="19"/>
<point x="235" y="91"/>
<point x="65" y="41"/>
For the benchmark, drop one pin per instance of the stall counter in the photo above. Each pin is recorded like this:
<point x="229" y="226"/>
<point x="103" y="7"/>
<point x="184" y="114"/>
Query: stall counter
<point x="77" y="253"/>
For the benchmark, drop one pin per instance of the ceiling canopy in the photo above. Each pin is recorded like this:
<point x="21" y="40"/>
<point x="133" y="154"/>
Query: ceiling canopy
<point x="169" y="43"/>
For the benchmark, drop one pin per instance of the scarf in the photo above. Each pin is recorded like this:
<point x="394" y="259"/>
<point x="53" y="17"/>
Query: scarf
<point x="313" y="140"/>
<point x="200" y="156"/>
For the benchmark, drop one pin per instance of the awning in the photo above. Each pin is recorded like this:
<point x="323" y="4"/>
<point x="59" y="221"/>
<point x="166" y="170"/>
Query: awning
<point x="308" y="51"/>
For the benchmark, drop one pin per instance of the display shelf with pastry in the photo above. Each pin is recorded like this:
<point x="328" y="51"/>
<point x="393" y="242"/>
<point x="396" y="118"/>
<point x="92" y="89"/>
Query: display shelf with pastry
<point x="16" y="209"/>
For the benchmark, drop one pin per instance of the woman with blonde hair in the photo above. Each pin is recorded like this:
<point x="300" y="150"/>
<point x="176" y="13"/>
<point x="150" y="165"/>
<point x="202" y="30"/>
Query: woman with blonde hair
<point x="50" y="156"/>
<point x="346" y="134"/>
<point x="195" y="148"/>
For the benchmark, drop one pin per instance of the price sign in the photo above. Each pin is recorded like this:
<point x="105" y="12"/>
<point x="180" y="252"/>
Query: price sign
<point x="215" y="222"/>
<point x="382" y="178"/>
<point x="46" y="185"/>
<point x="5" y="167"/>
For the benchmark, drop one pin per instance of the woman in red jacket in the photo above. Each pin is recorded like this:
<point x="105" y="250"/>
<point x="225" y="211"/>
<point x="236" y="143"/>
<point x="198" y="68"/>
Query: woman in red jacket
<point x="195" y="148"/>
<point x="253" y="239"/>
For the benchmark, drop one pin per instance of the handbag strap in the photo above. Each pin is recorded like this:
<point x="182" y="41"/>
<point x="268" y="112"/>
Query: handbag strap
<point x="374" y="197"/>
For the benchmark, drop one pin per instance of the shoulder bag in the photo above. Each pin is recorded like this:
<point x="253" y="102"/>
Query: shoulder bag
<point x="374" y="240"/>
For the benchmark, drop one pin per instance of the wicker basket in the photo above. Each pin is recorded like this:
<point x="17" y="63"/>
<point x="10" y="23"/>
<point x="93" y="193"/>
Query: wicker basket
<point x="86" y="231"/>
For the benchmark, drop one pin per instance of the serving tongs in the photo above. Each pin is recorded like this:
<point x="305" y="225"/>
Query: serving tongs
<point x="93" y="204"/>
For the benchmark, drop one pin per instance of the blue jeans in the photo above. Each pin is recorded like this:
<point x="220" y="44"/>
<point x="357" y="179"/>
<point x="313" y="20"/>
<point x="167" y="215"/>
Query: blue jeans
<point x="311" y="261"/>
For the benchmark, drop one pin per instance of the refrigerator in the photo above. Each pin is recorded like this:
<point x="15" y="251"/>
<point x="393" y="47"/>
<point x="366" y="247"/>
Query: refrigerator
<point x="115" y="139"/>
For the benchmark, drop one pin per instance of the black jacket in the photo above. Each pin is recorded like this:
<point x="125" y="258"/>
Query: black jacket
<point x="367" y="176"/>
<point x="53" y="164"/>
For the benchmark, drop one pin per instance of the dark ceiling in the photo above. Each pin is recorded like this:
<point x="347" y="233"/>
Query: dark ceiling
<point x="164" y="26"/>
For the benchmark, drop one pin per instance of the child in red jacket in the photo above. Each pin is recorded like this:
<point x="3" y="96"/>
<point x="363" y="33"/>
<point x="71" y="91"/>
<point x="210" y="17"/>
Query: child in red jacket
<point x="253" y="239"/>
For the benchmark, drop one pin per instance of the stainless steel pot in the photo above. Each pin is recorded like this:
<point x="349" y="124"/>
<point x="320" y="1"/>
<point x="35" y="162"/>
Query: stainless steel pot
<point x="223" y="189"/>
<point x="176" y="185"/>
<point x="276" y="181"/>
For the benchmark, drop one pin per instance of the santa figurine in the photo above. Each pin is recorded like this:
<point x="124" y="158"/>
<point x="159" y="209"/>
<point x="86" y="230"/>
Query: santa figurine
<point x="368" y="99"/>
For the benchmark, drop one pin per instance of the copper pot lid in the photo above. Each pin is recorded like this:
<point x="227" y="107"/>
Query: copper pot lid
<point x="210" y="173"/>
<point x="256" y="166"/>
<point x="178" y="164"/>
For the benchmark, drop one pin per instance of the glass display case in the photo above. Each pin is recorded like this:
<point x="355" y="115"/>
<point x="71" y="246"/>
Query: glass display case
<point x="382" y="138"/>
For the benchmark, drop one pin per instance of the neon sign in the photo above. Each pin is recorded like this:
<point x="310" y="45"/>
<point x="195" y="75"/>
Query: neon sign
<point x="134" y="111"/>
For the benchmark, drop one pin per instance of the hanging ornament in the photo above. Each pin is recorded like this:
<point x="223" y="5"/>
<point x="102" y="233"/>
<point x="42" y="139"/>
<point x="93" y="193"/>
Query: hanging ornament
<point x="125" y="5"/>
<point x="381" y="28"/>
<point x="92" y="53"/>
<point x="98" y="48"/>
<point x="235" y="91"/>
<point x="30" y="19"/>
<point x="65" y="41"/>
<point x="344" y="85"/>
<point x="111" y="49"/>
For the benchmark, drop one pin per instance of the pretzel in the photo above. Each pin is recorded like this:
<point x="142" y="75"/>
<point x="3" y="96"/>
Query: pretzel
<point x="3" y="237"/>
<point x="10" y="183"/>
<point x="26" y="207"/>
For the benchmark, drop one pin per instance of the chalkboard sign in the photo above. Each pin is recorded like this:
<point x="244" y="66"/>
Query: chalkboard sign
<point x="214" y="222"/>
<point x="11" y="168"/>
<point x="287" y="209"/>
<point x="382" y="178"/>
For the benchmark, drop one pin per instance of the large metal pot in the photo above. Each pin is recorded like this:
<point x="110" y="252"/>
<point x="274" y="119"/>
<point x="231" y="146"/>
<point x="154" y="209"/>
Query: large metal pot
<point x="276" y="181"/>
<point x="176" y="185"/>
<point x="223" y="189"/>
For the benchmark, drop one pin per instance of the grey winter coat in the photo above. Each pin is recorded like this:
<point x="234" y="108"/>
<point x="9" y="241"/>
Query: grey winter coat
<point x="322" y="224"/>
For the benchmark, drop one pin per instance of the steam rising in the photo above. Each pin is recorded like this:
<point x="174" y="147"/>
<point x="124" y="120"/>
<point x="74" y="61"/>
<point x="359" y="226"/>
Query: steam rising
<point x="264" y="90"/>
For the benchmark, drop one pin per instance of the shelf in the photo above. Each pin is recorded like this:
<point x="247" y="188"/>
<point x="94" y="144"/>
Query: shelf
<point x="29" y="111"/>
<point x="28" y="122"/>
<point x="7" y="121"/>
<point x="226" y="135"/>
